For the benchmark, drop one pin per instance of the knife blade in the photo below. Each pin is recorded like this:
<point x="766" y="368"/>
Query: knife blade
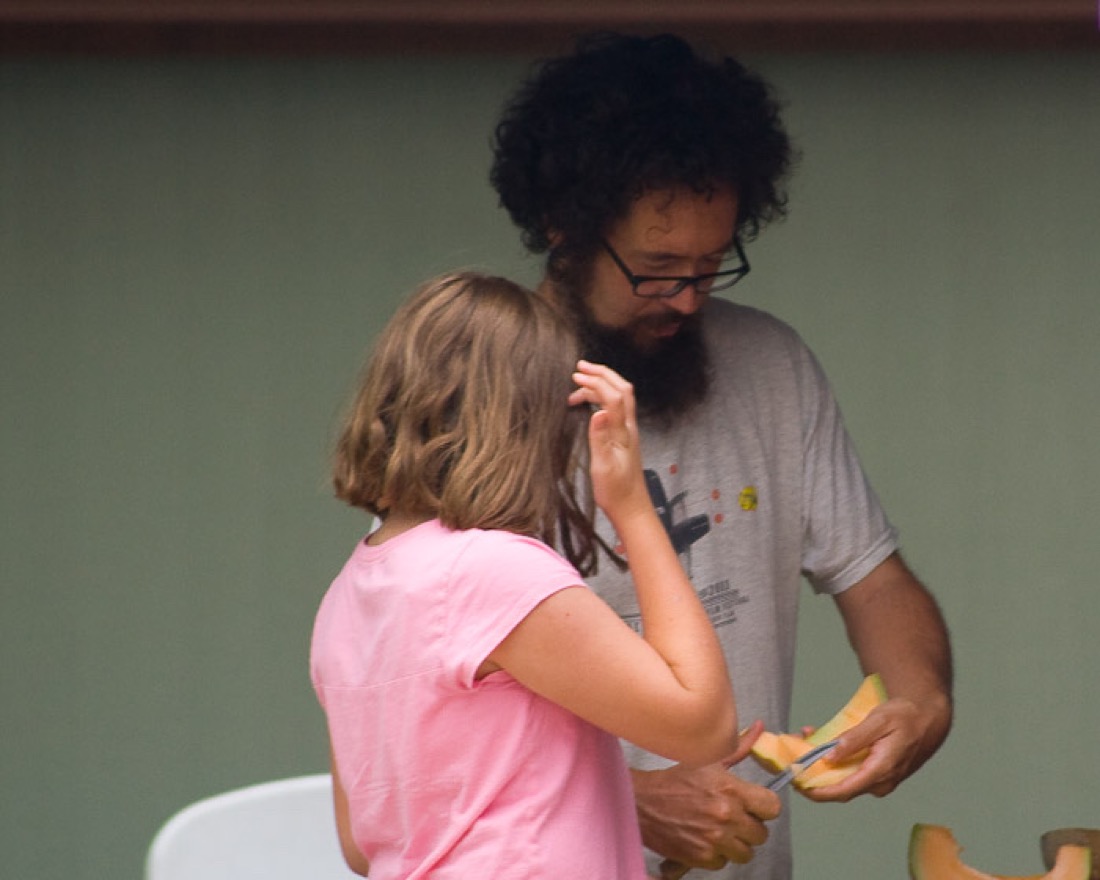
<point x="801" y="763"/>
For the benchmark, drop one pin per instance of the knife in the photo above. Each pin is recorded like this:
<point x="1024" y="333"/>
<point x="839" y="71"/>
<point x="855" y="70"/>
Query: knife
<point x="787" y="776"/>
<point x="673" y="870"/>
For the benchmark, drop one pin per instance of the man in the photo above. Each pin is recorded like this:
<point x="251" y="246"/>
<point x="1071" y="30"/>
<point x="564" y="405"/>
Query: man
<point x="642" y="169"/>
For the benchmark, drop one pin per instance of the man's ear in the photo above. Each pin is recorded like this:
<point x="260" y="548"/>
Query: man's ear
<point x="555" y="238"/>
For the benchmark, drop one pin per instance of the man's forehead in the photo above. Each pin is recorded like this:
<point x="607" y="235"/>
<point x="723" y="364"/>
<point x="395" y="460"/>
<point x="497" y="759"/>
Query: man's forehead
<point x="673" y="200"/>
<point x="655" y="217"/>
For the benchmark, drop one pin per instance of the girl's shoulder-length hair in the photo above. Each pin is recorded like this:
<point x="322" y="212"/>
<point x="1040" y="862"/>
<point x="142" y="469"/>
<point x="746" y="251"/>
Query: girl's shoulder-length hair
<point x="462" y="414"/>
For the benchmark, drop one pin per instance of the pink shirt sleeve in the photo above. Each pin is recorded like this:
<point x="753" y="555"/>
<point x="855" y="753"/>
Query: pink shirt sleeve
<point x="498" y="580"/>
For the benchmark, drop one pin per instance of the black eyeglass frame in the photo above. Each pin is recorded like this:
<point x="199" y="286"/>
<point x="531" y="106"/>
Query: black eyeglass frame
<point x="681" y="281"/>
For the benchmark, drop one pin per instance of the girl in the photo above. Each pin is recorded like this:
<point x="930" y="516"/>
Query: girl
<point x="473" y="686"/>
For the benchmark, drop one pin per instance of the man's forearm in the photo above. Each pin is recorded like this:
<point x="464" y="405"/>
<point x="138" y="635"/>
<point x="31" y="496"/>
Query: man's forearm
<point x="897" y="630"/>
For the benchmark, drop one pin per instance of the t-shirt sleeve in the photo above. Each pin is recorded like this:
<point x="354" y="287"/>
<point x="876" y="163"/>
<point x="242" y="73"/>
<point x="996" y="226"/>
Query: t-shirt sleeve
<point x="846" y="531"/>
<point x="498" y="580"/>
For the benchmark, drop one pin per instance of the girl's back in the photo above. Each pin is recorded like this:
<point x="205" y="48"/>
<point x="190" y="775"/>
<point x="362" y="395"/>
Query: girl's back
<point x="447" y="775"/>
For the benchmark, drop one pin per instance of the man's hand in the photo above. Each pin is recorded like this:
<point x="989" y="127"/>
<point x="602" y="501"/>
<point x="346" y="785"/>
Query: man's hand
<point x="891" y="735"/>
<point x="705" y="817"/>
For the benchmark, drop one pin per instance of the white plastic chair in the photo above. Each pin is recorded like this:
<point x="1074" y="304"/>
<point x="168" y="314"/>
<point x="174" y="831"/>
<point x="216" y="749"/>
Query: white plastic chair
<point x="281" y="830"/>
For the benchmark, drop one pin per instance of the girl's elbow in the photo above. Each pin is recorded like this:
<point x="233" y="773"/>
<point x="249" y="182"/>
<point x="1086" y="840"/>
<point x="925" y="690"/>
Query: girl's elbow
<point x="717" y="744"/>
<point x="355" y="859"/>
<point x="706" y="740"/>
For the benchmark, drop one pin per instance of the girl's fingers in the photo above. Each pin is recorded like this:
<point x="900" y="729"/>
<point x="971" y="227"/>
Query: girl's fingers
<point x="602" y="386"/>
<point x="593" y="371"/>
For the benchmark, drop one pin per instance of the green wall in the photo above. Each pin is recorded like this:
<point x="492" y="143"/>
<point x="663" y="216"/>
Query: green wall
<point x="195" y="253"/>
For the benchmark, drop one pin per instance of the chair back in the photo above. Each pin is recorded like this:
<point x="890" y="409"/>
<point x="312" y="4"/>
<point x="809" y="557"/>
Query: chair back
<point x="280" y="830"/>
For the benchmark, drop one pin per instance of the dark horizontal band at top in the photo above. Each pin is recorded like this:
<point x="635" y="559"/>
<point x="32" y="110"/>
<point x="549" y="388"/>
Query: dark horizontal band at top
<point x="356" y="27"/>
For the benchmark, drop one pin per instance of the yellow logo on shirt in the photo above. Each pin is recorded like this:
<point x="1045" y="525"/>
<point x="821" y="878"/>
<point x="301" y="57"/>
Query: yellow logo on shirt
<point x="747" y="498"/>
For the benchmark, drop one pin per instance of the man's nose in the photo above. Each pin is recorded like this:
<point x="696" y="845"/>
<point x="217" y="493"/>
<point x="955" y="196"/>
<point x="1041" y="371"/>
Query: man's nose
<point x="687" y="301"/>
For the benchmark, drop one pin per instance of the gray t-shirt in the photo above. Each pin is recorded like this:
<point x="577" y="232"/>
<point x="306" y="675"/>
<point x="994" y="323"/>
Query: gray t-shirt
<point x="758" y="486"/>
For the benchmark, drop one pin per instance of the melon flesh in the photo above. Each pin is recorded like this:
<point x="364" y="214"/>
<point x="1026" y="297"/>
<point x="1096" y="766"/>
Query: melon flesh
<point x="776" y="751"/>
<point x="934" y="855"/>
<point x="870" y="693"/>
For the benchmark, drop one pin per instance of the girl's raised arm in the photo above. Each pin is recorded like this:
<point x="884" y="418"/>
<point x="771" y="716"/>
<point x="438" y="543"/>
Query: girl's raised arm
<point x="667" y="691"/>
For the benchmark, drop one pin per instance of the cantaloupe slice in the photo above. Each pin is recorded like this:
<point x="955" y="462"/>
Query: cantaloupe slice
<point x="776" y="751"/>
<point x="934" y="855"/>
<point x="869" y="694"/>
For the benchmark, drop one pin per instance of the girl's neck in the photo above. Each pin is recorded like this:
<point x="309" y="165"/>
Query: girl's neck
<point x="394" y="524"/>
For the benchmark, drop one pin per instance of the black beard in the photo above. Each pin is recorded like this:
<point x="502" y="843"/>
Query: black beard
<point x="668" y="381"/>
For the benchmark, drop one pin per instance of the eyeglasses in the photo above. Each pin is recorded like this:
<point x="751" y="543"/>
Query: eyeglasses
<point x="667" y="286"/>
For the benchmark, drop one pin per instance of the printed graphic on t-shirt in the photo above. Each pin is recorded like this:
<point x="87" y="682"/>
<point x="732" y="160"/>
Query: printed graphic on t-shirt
<point x="720" y="599"/>
<point x="682" y="531"/>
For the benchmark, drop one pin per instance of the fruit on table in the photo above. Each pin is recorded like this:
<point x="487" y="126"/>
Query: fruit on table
<point x="776" y="751"/>
<point x="934" y="855"/>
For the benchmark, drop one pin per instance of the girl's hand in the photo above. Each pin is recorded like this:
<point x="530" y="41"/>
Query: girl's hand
<point x="616" y="459"/>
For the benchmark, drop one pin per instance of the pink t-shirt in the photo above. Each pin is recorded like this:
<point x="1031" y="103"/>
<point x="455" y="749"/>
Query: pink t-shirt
<point x="448" y="777"/>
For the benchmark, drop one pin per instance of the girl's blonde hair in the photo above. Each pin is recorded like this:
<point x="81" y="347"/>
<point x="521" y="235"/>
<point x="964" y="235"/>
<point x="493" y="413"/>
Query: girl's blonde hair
<point x="463" y="415"/>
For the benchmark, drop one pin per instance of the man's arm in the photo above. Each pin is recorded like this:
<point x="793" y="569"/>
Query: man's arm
<point x="896" y="629"/>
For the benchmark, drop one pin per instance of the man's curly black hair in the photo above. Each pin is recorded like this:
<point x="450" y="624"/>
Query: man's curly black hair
<point x="592" y="131"/>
